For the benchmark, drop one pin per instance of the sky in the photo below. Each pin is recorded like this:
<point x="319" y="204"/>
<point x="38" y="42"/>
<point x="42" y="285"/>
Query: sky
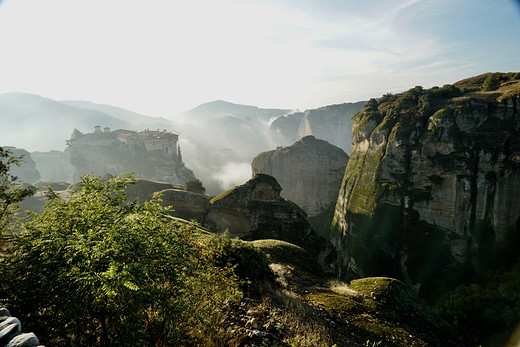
<point x="163" y="57"/>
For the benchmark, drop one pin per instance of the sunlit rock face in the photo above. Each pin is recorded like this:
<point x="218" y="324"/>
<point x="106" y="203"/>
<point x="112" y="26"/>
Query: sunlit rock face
<point x="309" y="171"/>
<point x="330" y="123"/>
<point x="26" y="171"/>
<point x="431" y="190"/>
<point x="54" y="165"/>
<point x="256" y="211"/>
<point x="149" y="154"/>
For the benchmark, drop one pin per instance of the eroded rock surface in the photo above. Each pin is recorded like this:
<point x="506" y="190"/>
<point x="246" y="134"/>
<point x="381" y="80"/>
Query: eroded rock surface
<point x="310" y="171"/>
<point x="255" y="211"/>
<point x="431" y="189"/>
<point x="330" y="123"/>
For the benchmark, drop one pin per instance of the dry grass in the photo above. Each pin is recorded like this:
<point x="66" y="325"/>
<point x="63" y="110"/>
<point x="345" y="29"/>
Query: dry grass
<point x="343" y="289"/>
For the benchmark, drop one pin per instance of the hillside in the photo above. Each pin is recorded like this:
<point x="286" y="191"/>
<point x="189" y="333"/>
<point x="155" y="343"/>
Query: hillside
<point x="36" y="123"/>
<point x="300" y="307"/>
<point x="220" y="108"/>
<point x="41" y="124"/>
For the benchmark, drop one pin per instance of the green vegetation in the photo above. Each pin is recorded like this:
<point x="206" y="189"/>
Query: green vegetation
<point x="194" y="186"/>
<point x="385" y="310"/>
<point x="492" y="82"/>
<point x="12" y="192"/>
<point x="476" y="83"/>
<point x="98" y="270"/>
<point x="76" y="134"/>
<point x="486" y="312"/>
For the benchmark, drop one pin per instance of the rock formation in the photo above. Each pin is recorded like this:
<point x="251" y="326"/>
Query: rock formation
<point x="310" y="172"/>
<point x="330" y="123"/>
<point x="11" y="332"/>
<point x="186" y="205"/>
<point x="27" y="171"/>
<point x="255" y="211"/>
<point x="153" y="155"/>
<point x="430" y="193"/>
<point x="54" y="165"/>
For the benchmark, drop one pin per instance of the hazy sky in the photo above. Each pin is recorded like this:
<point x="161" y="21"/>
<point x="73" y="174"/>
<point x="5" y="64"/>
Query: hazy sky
<point x="161" y="57"/>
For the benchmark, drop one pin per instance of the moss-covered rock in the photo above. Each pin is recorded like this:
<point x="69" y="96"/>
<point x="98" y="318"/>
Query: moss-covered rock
<point x="428" y="167"/>
<point x="255" y="211"/>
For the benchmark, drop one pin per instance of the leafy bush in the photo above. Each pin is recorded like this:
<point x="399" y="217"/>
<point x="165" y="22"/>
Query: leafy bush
<point x="98" y="270"/>
<point x="11" y="192"/>
<point x="492" y="82"/>
<point x="485" y="313"/>
<point x="195" y="186"/>
<point x="249" y="263"/>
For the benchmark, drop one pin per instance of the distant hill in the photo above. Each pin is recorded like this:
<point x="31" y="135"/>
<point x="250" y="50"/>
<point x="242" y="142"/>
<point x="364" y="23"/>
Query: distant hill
<point x="138" y="121"/>
<point x="36" y="123"/>
<point x="220" y="108"/>
<point x="330" y="123"/>
<point x="219" y="140"/>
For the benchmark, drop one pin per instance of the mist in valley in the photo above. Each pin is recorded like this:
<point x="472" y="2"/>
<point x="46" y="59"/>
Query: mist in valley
<point x="218" y="140"/>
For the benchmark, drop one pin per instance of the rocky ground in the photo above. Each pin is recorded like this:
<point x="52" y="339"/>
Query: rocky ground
<point x="304" y="309"/>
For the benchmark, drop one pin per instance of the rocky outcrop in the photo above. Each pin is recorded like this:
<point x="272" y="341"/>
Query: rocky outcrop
<point x="26" y="171"/>
<point x="256" y="211"/>
<point x="149" y="154"/>
<point x="330" y="123"/>
<point x="11" y="332"/>
<point x="430" y="193"/>
<point x="310" y="172"/>
<point x="186" y="205"/>
<point x="54" y="165"/>
<point x="144" y="190"/>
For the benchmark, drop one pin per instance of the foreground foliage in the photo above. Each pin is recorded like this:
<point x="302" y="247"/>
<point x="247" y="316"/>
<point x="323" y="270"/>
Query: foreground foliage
<point x="98" y="270"/>
<point x="12" y="192"/>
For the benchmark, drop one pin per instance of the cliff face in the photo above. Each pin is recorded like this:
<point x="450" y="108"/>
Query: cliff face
<point x="256" y="211"/>
<point x="152" y="155"/>
<point x="54" y="165"/>
<point x="330" y="123"/>
<point x="430" y="193"/>
<point x="309" y="171"/>
<point x="27" y="171"/>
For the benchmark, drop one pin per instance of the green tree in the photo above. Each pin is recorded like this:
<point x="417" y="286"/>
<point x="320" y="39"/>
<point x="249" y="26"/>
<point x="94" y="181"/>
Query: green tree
<point x="195" y="186"/>
<point x="99" y="270"/>
<point x="11" y="191"/>
<point x="492" y="82"/>
<point x="76" y="134"/>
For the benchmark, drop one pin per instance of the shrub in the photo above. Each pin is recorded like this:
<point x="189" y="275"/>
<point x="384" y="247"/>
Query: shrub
<point x="492" y="82"/>
<point x="194" y="186"/>
<point x="98" y="270"/>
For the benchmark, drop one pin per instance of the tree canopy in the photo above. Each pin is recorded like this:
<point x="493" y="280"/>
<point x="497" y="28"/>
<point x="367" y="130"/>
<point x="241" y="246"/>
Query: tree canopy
<point x="98" y="270"/>
<point x="11" y="191"/>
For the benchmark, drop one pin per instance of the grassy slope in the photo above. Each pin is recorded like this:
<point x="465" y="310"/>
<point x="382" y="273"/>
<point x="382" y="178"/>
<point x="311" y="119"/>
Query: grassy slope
<point x="303" y="308"/>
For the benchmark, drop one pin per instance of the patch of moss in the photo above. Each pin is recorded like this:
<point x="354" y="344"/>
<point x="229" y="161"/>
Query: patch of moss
<point x="385" y="309"/>
<point x="281" y="252"/>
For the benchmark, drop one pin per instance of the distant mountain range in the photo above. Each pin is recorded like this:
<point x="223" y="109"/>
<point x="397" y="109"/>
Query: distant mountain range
<point x="218" y="139"/>
<point x="220" y="109"/>
<point x="36" y="123"/>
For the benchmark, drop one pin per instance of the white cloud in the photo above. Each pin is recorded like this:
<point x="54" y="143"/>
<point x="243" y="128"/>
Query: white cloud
<point x="233" y="174"/>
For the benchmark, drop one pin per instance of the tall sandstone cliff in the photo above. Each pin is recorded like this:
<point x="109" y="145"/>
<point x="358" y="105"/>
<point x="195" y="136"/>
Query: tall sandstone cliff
<point x="330" y="123"/>
<point x="431" y="193"/>
<point x="310" y="172"/>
